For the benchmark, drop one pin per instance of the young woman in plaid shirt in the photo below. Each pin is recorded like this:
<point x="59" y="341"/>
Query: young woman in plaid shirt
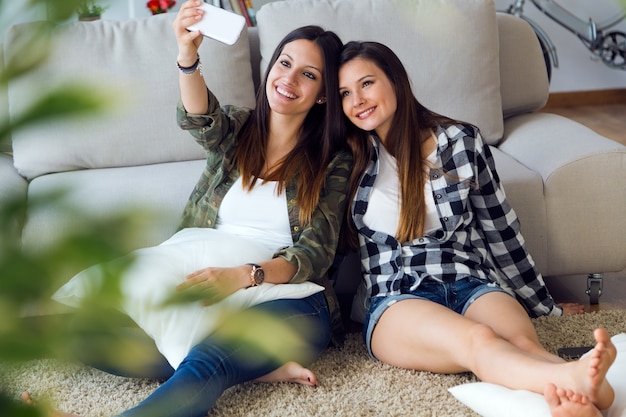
<point x="439" y="243"/>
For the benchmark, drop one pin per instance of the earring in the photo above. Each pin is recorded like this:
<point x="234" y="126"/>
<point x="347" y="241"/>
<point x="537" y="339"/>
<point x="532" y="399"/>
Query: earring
<point x="321" y="100"/>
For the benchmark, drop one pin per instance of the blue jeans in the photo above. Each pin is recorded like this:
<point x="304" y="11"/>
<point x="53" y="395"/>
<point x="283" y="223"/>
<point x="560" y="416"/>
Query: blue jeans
<point x="216" y="364"/>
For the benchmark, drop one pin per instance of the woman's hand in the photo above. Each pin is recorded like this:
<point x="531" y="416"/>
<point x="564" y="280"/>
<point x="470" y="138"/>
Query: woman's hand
<point x="214" y="284"/>
<point x="188" y="42"/>
<point x="571" y="308"/>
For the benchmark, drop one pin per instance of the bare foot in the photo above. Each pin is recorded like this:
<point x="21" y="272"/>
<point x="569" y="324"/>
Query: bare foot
<point x="570" y="309"/>
<point x="27" y="399"/>
<point x="564" y="403"/>
<point x="291" y="372"/>
<point x="593" y="369"/>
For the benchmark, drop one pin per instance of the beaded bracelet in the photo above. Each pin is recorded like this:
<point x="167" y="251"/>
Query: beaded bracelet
<point x="190" y="70"/>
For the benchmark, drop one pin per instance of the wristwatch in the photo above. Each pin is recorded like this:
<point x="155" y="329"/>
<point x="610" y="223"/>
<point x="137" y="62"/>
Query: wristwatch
<point x="257" y="275"/>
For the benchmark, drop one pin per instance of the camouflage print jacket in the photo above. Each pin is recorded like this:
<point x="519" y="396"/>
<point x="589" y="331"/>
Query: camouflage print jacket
<point x="315" y="244"/>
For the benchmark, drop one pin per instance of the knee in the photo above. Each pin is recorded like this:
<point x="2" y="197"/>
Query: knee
<point x="526" y="343"/>
<point x="483" y="342"/>
<point x="481" y="337"/>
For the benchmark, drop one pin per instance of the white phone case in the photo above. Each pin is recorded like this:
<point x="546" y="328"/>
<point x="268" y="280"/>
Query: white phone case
<point x="219" y="24"/>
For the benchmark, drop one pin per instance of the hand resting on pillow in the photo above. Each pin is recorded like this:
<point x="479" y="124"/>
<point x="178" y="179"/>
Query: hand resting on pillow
<point x="156" y="271"/>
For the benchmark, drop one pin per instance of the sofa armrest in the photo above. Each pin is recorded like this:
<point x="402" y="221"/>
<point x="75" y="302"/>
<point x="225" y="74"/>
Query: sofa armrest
<point x="13" y="187"/>
<point x="584" y="176"/>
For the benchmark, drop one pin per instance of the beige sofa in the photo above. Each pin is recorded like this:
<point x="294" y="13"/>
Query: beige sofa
<point x="567" y="183"/>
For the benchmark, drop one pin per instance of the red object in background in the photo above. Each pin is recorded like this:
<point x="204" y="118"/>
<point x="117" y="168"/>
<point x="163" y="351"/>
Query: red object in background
<point x="160" y="6"/>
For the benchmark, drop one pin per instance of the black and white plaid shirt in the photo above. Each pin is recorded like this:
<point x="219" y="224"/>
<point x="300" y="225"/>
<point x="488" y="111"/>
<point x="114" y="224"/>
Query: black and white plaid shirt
<point x="479" y="234"/>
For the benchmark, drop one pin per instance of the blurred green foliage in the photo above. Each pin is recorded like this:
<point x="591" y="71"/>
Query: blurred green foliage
<point x="29" y="278"/>
<point x="26" y="278"/>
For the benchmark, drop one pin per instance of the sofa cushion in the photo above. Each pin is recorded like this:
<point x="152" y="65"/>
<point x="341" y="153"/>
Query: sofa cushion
<point x="156" y="193"/>
<point x="136" y="61"/>
<point x="449" y="47"/>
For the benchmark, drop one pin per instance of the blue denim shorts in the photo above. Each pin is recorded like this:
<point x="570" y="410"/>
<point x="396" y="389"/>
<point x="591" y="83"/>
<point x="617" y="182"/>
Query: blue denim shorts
<point x="456" y="295"/>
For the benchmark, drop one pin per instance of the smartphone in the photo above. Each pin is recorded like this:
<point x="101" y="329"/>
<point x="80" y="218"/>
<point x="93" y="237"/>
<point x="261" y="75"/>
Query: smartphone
<point x="219" y="24"/>
<point x="573" y="352"/>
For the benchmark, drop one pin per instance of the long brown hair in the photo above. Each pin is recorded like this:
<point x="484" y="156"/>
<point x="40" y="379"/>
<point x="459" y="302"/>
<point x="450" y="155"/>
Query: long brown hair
<point x="320" y="136"/>
<point x="403" y="139"/>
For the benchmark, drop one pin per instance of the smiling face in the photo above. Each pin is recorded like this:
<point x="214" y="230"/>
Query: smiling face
<point x="295" y="82"/>
<point x="367" y="96"/>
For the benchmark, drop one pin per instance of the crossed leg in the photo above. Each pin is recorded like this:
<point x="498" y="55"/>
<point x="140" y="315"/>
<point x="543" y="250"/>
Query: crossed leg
<point x="495" y="340"/>
<point x="526" y="340"/>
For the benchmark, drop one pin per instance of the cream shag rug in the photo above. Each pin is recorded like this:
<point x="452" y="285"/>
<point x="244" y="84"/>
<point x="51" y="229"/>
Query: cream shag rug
<point x="351" y="384"/>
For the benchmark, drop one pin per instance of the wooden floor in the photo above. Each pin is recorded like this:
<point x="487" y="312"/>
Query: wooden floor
<point x="609" y="120"/>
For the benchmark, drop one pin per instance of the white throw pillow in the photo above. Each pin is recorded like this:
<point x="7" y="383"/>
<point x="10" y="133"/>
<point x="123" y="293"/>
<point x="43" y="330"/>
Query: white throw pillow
<point x="491" y="400"/>
<point x="156" y="272"/>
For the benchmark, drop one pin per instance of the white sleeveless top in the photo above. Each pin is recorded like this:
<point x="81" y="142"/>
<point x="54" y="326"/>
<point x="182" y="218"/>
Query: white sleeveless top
<point x="259" y="214"/>
<point x="383" y="208"/>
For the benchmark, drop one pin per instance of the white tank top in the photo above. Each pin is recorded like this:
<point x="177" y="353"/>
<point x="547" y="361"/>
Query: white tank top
<point x="259" y="214"/>
<point x="383" y="208"/>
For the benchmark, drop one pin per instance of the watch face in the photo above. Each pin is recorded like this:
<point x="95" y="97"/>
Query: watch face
<point x="259" y="276"/>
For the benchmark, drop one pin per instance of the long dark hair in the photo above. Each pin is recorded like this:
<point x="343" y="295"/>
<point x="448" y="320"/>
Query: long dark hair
<point x="403" y="140"/>
<point x="320" y="136"/>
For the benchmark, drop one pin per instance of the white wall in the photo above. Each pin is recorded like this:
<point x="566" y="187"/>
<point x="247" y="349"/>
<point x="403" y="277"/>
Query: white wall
<point x="578" y="70"/>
